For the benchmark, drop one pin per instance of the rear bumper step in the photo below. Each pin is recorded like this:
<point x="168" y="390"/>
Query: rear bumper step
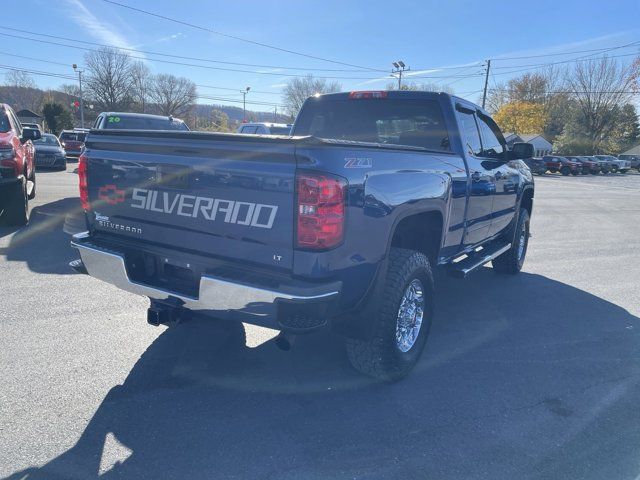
<point x="296" y="308"/>
<point x="464" y="267"/>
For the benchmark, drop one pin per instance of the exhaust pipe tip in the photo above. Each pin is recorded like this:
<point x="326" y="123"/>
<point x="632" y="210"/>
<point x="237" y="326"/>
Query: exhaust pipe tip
<point x="284" y="341"/>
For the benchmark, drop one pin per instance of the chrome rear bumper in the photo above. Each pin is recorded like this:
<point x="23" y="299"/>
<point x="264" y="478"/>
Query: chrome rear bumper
<point x="219" y="296"/>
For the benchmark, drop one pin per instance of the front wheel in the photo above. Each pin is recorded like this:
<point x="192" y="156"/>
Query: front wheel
<point x="512" y="260"/>
<point x="401" y="320"/>
<point x="16" y="211"/>
<point x="565" y="171"/>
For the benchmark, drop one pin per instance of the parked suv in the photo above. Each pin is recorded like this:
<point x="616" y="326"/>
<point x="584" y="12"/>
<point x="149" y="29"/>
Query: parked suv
<point x="588" y="165"/>
<point x="137" y="121"/>
<point x="72" y="141"/>
<point x="621" y="166"/>
<point x="536" y="165"/>
<point x="556" y="163"/>
<point x="17" y="170"/>
<point x="634" y="160"/>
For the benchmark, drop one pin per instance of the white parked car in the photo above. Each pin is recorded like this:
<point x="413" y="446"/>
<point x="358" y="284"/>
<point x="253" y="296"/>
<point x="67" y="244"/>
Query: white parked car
<point x="260" y="128"/>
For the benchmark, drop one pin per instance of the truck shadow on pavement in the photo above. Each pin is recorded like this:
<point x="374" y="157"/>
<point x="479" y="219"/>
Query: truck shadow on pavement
<point x="42" y="244"/>
<point x="523" y="377"/>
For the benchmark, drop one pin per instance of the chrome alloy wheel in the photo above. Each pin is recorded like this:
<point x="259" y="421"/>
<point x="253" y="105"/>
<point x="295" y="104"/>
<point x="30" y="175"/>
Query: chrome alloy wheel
<point x="410" y="316"/>
<point x="522" y="241"/>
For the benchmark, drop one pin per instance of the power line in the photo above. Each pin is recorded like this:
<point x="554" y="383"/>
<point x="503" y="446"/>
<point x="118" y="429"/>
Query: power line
<point x="500" y="58"/>
<point x="183" y="57"/>
<point x="253" y="42"/>
<point x="208" y="67"/>
<point x="37" y="72"/>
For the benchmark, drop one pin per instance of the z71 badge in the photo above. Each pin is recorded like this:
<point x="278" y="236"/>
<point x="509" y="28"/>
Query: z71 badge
<point x="358" y="162"/>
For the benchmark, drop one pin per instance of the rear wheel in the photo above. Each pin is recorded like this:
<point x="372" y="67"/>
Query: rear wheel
<point x="512" y="260"/>
<point x="565" y="171"/>
<point x="575" y="173"/>
<point x="17" y="209"/>
<point x="585" y="171"/>
<point x="402" y="319"/>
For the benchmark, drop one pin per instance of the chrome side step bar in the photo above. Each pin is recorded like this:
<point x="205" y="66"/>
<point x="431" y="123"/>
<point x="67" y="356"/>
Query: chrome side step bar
<point x="475" y="260"/>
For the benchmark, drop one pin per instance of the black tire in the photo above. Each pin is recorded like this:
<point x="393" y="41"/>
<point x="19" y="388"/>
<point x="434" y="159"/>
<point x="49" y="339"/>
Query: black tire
<point x="32" y="194"/>
<point x="586" y="171"/>
<point x="575" y="173"/>
<point x="565" y="171"/>
<point x="16" y="211"/>
<point x="614" y="169"/>
<point x="380" y="356"/>
<point x="512" y="260"/>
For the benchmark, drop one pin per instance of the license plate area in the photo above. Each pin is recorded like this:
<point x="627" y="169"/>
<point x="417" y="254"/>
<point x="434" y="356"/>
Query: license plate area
<point x="164" y="272"/>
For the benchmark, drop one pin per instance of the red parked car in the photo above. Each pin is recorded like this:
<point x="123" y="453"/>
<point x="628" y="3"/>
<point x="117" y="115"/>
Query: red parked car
<point x="556" y="163"/>
<point x="588" y="165"/>
<point x="17" y="170"/>
<point x="72" y="141"/>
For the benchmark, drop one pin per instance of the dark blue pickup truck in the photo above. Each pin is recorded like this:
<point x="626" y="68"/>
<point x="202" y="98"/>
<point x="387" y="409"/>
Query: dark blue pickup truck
<point x="340" y="224"/>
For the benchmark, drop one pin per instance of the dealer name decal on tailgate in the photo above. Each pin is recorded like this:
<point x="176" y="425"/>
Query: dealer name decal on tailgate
<point x="231" y="211"/>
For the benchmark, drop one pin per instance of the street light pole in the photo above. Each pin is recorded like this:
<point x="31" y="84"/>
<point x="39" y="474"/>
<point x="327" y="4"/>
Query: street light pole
<point x="399" y="68"/>
<point x="75" y="67"/>
<point x="244" y="103"/>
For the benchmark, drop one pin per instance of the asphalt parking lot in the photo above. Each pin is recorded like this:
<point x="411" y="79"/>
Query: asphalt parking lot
<point x="527" y="377"/>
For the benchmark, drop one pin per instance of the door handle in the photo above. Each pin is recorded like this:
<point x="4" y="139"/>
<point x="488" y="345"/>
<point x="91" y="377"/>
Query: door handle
<point x="475" y="176"/>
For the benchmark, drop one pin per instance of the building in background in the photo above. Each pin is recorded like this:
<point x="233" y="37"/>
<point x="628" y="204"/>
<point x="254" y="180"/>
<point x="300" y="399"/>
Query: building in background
<point x="27" y="116"/>
<point x="541" y="145"/>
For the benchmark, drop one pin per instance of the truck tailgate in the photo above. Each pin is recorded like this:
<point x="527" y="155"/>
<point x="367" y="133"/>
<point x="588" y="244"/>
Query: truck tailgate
<point x="228" y="196"/>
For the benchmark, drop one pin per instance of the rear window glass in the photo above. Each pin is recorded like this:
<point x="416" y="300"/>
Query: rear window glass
<point x="74" y="136"/>
<point x="142" y="123"/>
<point x="280" y="130"/>
<point x="416" y="123"/>
<point x="47" y="139"/>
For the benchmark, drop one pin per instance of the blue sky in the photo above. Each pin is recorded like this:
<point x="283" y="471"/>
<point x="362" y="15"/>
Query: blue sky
<point x="443" y="42"/>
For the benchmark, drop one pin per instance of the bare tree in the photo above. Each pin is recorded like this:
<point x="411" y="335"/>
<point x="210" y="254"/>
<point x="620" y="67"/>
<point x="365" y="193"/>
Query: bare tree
<point x="18" y="78"/>
<point x="600" y="88"/>
<point x="141" y="82"/>
<point x="109" y="80"/>
<point x="299" y="89"/>
<point x="172" y="95"/>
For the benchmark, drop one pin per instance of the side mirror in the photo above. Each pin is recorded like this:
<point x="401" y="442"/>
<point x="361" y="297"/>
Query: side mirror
<point x="30" y="134"/>
<point x="522" y="151"/>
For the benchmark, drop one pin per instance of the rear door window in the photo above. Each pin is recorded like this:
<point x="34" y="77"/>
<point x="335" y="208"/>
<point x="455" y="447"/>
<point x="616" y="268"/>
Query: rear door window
<point x="417" y="123"/>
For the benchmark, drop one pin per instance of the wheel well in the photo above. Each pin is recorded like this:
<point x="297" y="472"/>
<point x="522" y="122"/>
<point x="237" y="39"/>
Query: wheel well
<point x="527" y="200"/>
<point x="421" y="232"/>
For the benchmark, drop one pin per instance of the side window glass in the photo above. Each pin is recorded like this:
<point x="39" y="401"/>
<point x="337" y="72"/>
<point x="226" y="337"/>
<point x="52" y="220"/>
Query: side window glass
<point x="491" y="146"/>
<point x="470" y="134"/>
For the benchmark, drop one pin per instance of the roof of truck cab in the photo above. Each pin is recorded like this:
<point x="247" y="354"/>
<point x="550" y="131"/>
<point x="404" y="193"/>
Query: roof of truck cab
<point x="141" y="115"/>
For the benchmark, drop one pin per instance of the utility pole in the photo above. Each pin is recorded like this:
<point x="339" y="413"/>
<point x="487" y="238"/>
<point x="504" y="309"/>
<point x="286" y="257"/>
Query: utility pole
<point x="244" y="103"/>
<point x="486" y="83"/>
<point x="75" y="67"/>
<point x="275" y="114"/>
<point x="399" y="68"/>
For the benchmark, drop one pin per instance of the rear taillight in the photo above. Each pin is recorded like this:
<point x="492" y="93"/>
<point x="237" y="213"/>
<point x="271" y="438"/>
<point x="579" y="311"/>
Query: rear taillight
<point x="320" y="210"/>
<point x="82" y="180"/>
